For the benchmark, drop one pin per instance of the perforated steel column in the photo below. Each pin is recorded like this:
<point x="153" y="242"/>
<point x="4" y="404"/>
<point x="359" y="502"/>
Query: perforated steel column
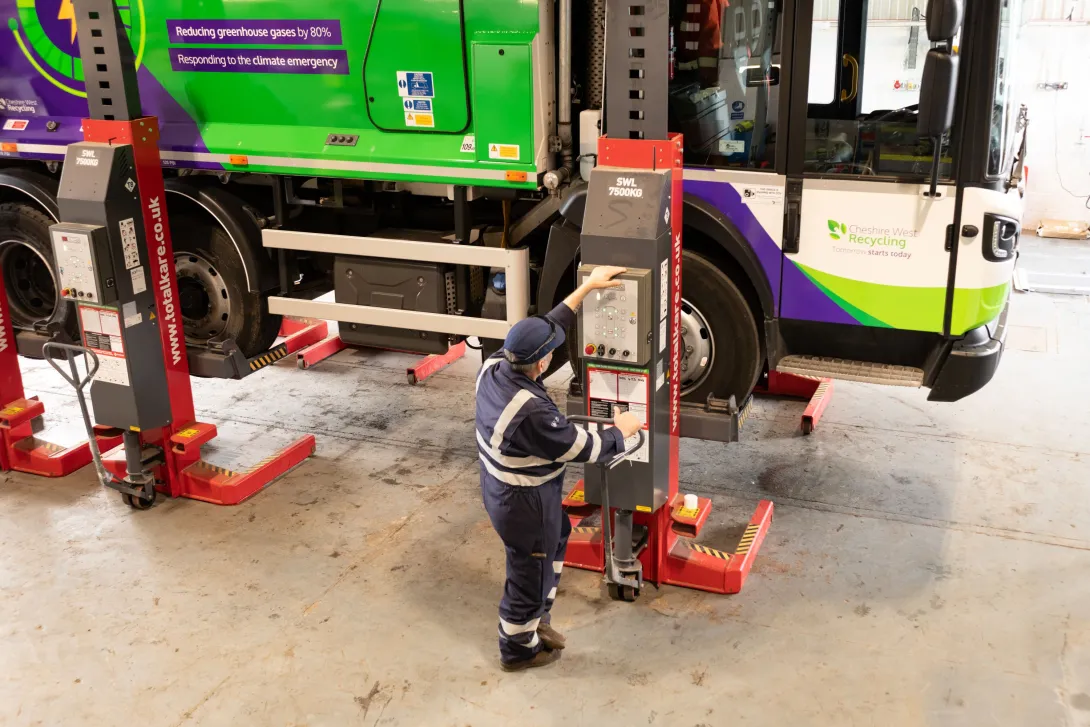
<point x="637" y="68"/>
<point x="109" y="66"/>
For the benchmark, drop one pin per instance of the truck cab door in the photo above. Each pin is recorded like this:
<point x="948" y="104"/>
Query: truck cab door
<point x="430" y="92"/>
<point x="869" y="244"/>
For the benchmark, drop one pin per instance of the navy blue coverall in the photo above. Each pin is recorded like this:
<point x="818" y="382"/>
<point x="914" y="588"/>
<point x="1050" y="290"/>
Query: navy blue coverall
<point x="525" y="444"/>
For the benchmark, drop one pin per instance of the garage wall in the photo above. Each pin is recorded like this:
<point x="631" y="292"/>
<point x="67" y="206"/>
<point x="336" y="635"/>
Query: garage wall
<point x="1059" y="134"/>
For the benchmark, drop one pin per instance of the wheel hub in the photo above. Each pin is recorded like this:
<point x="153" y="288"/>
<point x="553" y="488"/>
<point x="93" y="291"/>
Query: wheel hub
<point x="31" y="287"/>
<point x="697" y="347"/>
<point x="202" y="297"/>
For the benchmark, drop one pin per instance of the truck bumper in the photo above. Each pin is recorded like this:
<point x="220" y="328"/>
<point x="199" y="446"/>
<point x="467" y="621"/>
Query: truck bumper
<point x="972" y="361"/>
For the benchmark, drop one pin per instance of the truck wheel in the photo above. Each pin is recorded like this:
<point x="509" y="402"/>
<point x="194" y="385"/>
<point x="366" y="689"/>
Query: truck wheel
<point x="212" y="293"/>
<point x="30" y="272"/>
<point x="720" y="344"/>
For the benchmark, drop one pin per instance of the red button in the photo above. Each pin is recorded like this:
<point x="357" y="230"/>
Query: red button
<point x="589" y="350"/>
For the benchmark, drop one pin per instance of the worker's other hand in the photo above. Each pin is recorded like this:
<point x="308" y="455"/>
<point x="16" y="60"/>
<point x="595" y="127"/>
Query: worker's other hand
<point x="602" y="277"/>
<point x="627" y="422"/>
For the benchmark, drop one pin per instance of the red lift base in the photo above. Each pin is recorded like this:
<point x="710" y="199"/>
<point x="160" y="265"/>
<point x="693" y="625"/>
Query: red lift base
<point x="22" y="451"/>
<point x="419" y="371"/>
<point x="671" y="556"/>
<point x="204" y="481"/>
<point x="435" y="363"/>
<point x="816" y="391"/>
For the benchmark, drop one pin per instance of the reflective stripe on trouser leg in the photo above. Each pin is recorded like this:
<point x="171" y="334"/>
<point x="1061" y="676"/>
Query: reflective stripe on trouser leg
<point x="530" y="521"/>
<point x="558" y="566"/>
<point x="519" y="640"/>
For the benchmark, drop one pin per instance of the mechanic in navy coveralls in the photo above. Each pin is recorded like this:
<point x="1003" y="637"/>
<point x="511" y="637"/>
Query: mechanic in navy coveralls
<point x="525" y="444"/>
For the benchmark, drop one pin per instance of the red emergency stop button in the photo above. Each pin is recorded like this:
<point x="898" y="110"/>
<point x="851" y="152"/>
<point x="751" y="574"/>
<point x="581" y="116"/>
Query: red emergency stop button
<point x="589" y="350"/>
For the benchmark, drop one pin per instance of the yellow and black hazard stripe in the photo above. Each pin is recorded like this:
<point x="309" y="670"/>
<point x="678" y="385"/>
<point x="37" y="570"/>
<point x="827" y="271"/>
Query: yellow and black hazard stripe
<point x="217" y="469"/>
<point x="822" y="389"/>
<point x="584" y="529"/>
<point x="745" y="412"/>
<point x="262" y="463"/>
<point x="747" y="539"/>
<point x="705" y="550"/>
<point x="49" y="447"/>
<point x="274" y="355"/>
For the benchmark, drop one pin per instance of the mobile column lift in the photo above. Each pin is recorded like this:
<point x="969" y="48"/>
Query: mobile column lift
<point x="21" y="419"/>
<point x="630" y="337"/>
<point x="116" y="264"/>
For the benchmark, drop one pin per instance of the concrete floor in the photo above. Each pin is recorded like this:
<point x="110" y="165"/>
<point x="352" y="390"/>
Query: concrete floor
<point x="928" y="565"/>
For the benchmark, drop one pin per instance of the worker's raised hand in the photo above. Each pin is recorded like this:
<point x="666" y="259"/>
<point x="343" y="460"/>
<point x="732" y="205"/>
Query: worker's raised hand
<point x="602" y="277"/>
<point x="627" y="422"/>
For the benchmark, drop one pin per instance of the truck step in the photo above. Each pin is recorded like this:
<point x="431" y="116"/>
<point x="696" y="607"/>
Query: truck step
<point x="836" y="368"/>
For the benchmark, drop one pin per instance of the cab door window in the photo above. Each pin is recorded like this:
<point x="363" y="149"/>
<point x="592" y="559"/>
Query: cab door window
<point x="724" y="87"/>
<point x="867" y="125"/>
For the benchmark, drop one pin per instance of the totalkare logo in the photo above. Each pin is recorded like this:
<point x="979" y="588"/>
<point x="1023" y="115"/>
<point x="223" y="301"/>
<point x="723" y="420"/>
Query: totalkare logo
<point x="836" y="229"/>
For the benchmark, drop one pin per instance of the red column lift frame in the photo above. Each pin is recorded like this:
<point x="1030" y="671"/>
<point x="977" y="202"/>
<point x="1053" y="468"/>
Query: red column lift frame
<point x="671" y="556"/>
<point x="181" y="473"/>
<point x="20" y="449"/>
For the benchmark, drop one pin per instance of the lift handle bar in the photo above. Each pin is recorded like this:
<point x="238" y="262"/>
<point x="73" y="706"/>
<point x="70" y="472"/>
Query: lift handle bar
<point x="69" y="352"/>
<point x="602" y="421"/>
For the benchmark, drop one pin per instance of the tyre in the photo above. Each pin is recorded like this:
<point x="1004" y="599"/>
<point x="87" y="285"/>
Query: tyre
<point x="721" y="345"/>
<point x="212" y="292"/>
<point x="29" y="269"/>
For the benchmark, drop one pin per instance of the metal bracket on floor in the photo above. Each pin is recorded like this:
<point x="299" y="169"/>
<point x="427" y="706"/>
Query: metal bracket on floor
<point x="426" y="367"/>
<point x="815" y="390"/>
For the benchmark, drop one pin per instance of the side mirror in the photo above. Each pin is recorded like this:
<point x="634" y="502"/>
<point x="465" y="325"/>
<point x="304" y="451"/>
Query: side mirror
<point x="757" y="76"/>
<point x="937" y="89"/>
<point x="943" y="20"/>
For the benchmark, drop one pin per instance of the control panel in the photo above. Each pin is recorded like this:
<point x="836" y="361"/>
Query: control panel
<point x="76" y="248"/>
<point x="616" y="323"/>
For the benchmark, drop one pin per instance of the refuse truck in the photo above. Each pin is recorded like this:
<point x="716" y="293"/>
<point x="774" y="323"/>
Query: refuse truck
<point x="328" y="147"/>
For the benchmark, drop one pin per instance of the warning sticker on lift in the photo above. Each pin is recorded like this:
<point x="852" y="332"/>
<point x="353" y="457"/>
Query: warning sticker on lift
<point x="623" y="390"/>
<point x="102" y="334"/>
<point x="508" y="152"/>
<point x="129" y="243"/>
<point x="469" y="145"/>
<point x="416" y="83"/>
<point x="139" y="280"/>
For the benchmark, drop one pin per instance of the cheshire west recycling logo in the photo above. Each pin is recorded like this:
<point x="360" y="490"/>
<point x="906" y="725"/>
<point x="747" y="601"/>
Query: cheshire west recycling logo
<point x="45" y="31"/>
<point x="836" y="229"/>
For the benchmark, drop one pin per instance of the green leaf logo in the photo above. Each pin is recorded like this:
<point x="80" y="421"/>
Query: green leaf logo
<point x="836" y="229"/>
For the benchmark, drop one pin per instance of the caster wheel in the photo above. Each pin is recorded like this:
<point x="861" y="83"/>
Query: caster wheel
<point x="807" y="427"/>
<point x="412" y="379"/>
<point x="138" y="503"/>
<point x="623" y="593"/>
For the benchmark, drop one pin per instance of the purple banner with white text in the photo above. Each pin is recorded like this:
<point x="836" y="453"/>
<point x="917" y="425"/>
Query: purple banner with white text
<point x="245" y="60"/>
<point x="255" y="32"/>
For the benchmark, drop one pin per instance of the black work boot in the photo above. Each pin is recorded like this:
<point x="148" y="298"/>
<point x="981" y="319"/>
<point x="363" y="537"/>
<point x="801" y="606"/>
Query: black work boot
<point x="552" y="638"/>
<point x="541" y="658"/>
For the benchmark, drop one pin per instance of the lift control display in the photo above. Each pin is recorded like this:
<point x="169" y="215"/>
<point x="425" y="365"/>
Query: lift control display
<point x="77" y="247"/>
<point x="615" y="324"/>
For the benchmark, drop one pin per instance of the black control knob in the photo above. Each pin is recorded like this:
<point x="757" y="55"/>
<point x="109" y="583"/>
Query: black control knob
<point x="625" y="353"/>
<point x="601" y="350"/>
<point x="612" y="352"/>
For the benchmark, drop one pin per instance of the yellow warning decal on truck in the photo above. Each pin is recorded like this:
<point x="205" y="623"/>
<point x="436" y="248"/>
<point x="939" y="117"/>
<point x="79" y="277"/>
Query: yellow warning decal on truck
<point x="421" y="120"/>
<point x="503" y="151"/>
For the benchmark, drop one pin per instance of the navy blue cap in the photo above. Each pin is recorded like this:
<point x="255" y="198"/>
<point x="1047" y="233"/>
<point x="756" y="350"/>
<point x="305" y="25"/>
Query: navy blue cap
<point x="531" y="339"/>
